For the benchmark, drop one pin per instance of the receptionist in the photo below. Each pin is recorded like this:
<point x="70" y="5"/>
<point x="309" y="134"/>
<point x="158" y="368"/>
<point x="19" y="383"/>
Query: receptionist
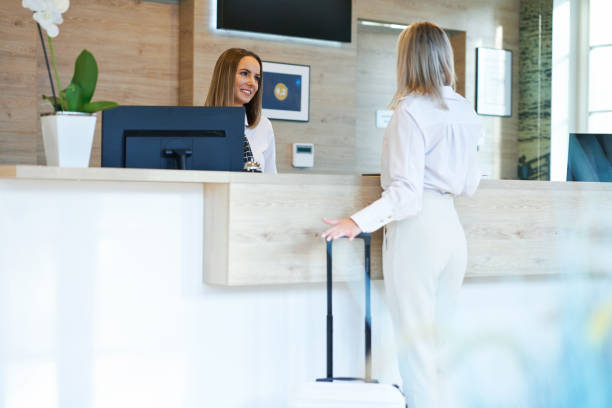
<point x="237" y="81"/>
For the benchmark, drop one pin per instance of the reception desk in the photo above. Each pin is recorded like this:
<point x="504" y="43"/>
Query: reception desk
<point x="262" y="229"/>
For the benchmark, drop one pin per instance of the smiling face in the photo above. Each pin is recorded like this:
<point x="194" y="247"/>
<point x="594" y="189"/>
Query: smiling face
<point x="248" y="75"/>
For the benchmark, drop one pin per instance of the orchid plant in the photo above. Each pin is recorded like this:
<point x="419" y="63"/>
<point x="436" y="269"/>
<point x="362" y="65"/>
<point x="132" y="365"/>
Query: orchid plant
<point x="76" y="97"/>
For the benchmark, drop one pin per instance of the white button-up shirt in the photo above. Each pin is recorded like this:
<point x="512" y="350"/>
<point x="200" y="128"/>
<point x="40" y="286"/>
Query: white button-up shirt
<point x="425" y="148"/>
<point x="261" y="139"/>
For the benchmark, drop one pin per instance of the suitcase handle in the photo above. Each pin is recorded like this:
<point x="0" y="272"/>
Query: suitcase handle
<point x="367" y="239"/>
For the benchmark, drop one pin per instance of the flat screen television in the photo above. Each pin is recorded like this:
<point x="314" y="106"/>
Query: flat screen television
<point x="318" y="19"/>
<point x="589" y="157"/>
<point x="173" y="137"/>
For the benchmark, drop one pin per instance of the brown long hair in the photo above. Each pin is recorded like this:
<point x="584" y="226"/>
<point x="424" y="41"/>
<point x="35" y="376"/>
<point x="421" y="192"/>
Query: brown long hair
<point x="221" y="90"/>
<point x="424" y="62"/>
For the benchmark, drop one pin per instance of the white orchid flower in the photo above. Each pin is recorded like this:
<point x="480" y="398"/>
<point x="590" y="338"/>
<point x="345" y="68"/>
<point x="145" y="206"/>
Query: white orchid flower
<point x="61" y="5"/>
<point x="38" y="5"/>
<point x="48" y="13"/>
<point x="49" y="18"/>
<point x="34" y="5"/>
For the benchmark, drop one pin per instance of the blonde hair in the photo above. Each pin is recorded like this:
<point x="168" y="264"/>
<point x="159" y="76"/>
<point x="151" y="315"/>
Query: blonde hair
<point x="424" y="62"/>
<point x="221" y="90"/>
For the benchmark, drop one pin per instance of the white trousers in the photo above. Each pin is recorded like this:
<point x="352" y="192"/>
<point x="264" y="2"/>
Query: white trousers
<point x="424" y="262"/>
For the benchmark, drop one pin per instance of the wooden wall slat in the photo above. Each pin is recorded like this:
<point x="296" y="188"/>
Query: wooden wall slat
<point x="18" y="104"/>
<point x="186" y="52"/>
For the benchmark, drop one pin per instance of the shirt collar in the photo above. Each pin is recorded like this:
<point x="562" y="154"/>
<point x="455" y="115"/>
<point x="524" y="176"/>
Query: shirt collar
<point x="448" y="92"/>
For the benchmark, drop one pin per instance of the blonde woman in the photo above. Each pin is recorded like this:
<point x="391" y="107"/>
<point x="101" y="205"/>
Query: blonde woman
<point x="237" y="81"/>
<point x="429" y="157"/>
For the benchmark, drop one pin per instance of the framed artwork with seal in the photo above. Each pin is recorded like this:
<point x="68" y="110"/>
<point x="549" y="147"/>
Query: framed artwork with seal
<point x="286" y="91"/>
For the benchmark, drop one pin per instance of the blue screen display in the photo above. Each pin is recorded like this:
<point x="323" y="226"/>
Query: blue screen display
<point x="590" y="157"/>
<point x="282" y="91"/>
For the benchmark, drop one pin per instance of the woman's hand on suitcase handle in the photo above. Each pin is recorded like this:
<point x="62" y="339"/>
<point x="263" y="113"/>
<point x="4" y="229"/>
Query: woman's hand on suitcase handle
<point x="345" y="227"/>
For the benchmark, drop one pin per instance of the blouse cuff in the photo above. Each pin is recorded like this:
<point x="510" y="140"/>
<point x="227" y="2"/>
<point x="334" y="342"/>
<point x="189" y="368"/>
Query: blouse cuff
<point x="374" y="216"/>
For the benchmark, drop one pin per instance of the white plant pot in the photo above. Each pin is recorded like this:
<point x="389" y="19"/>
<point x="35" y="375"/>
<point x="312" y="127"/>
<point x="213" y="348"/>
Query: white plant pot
<point x="68" y="138"/>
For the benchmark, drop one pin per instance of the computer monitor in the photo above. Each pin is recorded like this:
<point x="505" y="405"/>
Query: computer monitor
<point x="173" y="137"/>
<point x="589" y="157"/>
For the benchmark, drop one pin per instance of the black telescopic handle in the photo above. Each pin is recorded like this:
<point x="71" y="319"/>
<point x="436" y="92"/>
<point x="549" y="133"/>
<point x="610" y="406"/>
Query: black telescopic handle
<point x="367" y="240"/>
<point x="330" y="317"/>
<point x="368" y="312"/>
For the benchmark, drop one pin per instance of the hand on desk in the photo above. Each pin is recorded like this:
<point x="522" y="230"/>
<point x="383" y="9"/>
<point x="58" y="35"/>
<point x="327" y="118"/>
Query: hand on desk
<point x="345" y="227"/>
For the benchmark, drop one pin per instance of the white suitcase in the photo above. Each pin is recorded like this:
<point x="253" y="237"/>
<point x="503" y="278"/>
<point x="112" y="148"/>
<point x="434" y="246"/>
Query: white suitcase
<point x="347" y="394"/>
<point x="333" y="392"/>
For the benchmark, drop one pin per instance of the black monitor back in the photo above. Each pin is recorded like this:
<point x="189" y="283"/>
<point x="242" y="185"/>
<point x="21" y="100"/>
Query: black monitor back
<point x="154" y="137"/>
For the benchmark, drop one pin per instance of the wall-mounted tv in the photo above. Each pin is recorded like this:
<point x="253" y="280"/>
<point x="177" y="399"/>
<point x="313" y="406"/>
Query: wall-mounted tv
<point x="319" y="19"/>
<point x="589" y="157"/>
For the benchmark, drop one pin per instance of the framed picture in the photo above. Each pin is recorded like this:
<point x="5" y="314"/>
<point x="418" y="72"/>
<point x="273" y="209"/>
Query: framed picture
<point x="493" y="82"/>
<point x="286" y="91"/>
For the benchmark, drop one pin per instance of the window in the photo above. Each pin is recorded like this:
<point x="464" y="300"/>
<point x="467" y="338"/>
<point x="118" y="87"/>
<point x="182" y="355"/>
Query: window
<point x="600" y="67"/>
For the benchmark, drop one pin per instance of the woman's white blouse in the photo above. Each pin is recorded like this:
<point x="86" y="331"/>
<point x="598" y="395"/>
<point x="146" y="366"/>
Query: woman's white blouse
<point x="261" y="139"/>
<point x="425" y="148"/>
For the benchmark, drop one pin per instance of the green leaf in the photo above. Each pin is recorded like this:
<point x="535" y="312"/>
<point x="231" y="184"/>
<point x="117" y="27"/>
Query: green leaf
<point x="54" y="102"/>
<point x="85" y="75"/>
<point x="73" y="94"/>
<point x="99" y="106"/>
<point x="62" y="100"/>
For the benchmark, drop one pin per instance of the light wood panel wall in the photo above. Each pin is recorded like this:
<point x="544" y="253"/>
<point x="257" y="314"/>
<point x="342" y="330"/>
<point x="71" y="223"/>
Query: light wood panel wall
<point x="187" y="15"/>
<point x="340" y="97"/>
<point x="135" y="44"/>
<point x="137" y="47"/>
<point x="458" y="40"/>
<point x="376" y="59"/>
<point x="332" y="86"/>
<point x="18" y="124"/>
<point x="376" y="76"/>
<point x="488" y="23"/>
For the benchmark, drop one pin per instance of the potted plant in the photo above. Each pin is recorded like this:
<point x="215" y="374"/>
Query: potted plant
<point x="67" y="132"/>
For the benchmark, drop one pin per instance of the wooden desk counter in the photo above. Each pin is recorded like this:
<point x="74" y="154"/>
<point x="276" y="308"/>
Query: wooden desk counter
<point x="263" y="229"/>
